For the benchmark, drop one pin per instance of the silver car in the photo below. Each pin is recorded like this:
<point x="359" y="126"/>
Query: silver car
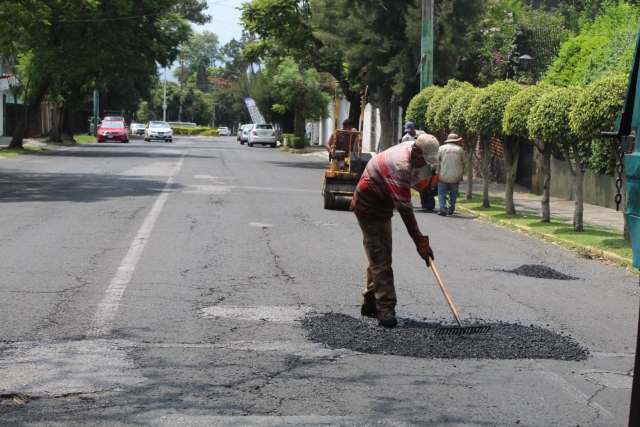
<point x="158" y="130"/>
<point x="244" y="136"/>
<point x="223" y="131"/>
<point x="262" y="134"/>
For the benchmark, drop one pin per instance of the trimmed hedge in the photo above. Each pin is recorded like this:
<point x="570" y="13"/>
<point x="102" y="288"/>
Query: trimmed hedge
<point x="200" y="130"/>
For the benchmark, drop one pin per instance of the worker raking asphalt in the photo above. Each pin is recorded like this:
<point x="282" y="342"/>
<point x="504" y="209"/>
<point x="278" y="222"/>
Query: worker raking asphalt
<point x="540" y="272"/>
<point x="414" y="338"/>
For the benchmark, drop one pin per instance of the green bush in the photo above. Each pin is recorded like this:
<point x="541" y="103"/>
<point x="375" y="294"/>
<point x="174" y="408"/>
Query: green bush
<point x="453" y="90"/>
<point x="484" y="117"/>
<point x="598" y="107"/>
<point x="596" y="110"/>
<point x="457" y="117"/>
<point x="549" y="117"/>
<point x="516" y="113"/>
<point x="192" y="131"/>
<point x="603" y="47"/>
<point x="418" y="106"/>
<point x="294" y="141"/>
<point x="430" y="124"/>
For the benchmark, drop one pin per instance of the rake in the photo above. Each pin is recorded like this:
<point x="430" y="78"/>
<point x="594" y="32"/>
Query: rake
<point x="460" y="329"/>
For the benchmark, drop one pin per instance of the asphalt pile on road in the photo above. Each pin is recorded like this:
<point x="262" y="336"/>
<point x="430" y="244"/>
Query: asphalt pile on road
<point x="414" y="338"/>
<point x="540" y="272"/>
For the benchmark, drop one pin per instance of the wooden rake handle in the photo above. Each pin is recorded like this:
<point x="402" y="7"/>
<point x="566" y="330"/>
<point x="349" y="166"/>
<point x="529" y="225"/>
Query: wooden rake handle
<point x="444" y="291"/>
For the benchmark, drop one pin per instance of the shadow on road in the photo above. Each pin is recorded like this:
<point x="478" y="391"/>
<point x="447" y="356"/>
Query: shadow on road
<point x="302" y="165"/>
<point x="21" y="187"/>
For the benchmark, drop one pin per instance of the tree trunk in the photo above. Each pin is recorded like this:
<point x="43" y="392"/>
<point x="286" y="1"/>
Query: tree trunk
<point x="470" y="143"/>
<point x="56" y="129"/>
<point x="576" y="170"/>
<point x="485" y="141"/>
<point x="386" y="131"/>
<point x="66" y="120"/>
<point x="546" y="181"/>
<point x="300" y="127"/>
<point x="511" y="149"/>
<point x="27" y="118"/>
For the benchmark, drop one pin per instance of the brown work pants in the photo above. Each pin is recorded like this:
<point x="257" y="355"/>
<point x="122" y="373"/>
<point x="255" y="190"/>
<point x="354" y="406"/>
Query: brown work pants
<point x="377" y="245"/>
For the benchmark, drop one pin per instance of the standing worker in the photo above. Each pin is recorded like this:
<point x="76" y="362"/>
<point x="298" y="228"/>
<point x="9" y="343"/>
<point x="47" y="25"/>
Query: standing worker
<point x="343" y="139"/>
<point x="385" y="185"/>
<point x="410" y="132"/>
<point x="451" y="158"/>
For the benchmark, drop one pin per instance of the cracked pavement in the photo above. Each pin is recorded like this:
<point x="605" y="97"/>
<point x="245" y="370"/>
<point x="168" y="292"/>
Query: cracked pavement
<point x="207" y="330"/>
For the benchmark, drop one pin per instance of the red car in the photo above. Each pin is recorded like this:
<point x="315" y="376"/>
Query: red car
<point x="113" y="131"/>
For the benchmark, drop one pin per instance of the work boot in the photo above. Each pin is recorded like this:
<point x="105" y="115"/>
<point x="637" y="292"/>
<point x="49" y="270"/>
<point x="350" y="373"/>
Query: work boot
<point x="387" y="319"/>
<point x="368" y="306"/>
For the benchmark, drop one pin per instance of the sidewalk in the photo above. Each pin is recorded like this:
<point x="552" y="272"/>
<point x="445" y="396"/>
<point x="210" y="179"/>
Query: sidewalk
<point x="526" y="202"/>
<point x="6" y="140"/>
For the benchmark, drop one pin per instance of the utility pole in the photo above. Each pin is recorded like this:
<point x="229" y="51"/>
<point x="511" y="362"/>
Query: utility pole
<point x="426" y="50"/>
<point x="181" y="80"/>
<point x="164" y="102"/>
<point x="96" y="111"/>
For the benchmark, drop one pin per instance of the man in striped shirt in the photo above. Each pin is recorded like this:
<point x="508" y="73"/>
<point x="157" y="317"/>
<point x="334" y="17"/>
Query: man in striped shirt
<point x="385" y="185"/>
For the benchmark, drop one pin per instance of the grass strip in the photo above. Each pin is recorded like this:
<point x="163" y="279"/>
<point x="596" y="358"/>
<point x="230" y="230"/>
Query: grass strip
<point x="593" y="243"/>
<point x="6" y="152"/>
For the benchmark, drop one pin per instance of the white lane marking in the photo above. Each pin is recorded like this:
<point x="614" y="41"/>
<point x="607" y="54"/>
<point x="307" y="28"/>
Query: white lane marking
<point x="215" y="178"/>
<point x="260" y="224"/>
<point x="570" y="390"/>
<point x="602" y="354"/>
<point x="162" y="418"/>
<point x="264" y="313"/>
<point x="107" y="308"/>
<point x="58" y="368"/>
<point x="206" y="189"/>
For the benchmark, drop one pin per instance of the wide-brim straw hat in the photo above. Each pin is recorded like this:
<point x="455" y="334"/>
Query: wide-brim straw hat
<point x="453" y="137"/>
<point x="429" y="146"/>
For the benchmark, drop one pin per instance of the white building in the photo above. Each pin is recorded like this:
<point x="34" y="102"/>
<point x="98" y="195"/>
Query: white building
<point x="319" y="132"/>
<point x="5" y="93"/>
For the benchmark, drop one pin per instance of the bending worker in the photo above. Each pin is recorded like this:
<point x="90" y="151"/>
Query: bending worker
<point x="385" y="185"/>
<point x="343" y="140"/>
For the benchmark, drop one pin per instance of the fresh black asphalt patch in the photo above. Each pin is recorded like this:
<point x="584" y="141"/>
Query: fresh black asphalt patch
<point x="417" y="339"/>
<point x="539" y="272"/>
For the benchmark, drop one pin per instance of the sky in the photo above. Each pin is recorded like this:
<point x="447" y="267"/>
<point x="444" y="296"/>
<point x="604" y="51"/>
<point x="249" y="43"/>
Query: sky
<point x="225" y="23"/>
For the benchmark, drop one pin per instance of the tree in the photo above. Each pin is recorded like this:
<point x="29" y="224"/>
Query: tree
<point x="485" y="118"/>
<point x="549" y="121"/>
<point x="515" y="123"/>
<point x="299" y="90"/>
<point x="199" y="53"/>
<point x="458" y="123"/>
<point x="417" y="109"/>
<point x="45" y="40"/>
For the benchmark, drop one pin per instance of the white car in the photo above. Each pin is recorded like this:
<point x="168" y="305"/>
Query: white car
<point x="158" y="130"/>
<point x="224" y="131"/>
<point x="137" y="129"/>
<point x="246" y="130"/>
<point x="262" y="134"/>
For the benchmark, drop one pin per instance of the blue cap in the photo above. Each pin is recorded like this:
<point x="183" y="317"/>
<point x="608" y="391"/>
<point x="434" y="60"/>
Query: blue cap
<point x="408" y="126"/>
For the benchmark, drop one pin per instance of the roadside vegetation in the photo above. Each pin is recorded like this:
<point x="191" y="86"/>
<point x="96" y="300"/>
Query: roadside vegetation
<point x="12" y="152"/>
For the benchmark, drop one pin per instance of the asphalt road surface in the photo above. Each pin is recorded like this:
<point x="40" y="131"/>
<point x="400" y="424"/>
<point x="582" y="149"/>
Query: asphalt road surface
<point x="164" y="284"/>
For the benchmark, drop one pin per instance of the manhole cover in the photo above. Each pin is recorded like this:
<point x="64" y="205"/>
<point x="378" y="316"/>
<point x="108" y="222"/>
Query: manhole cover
<point x="417" y="339"/>
<point x="539" y="272"/>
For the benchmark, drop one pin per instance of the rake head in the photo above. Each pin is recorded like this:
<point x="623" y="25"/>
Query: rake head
<point x="466" y="330"/>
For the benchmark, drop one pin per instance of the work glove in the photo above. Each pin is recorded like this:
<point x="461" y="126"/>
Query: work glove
<point x="422" y="245"/>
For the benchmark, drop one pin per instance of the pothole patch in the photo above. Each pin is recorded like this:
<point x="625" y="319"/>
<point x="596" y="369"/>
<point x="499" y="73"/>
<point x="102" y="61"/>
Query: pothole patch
<point x="540" y="272"/>
<point x="414" y="338"/>
<point x="265" y="313"/>
<point x="60" y="368"/>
